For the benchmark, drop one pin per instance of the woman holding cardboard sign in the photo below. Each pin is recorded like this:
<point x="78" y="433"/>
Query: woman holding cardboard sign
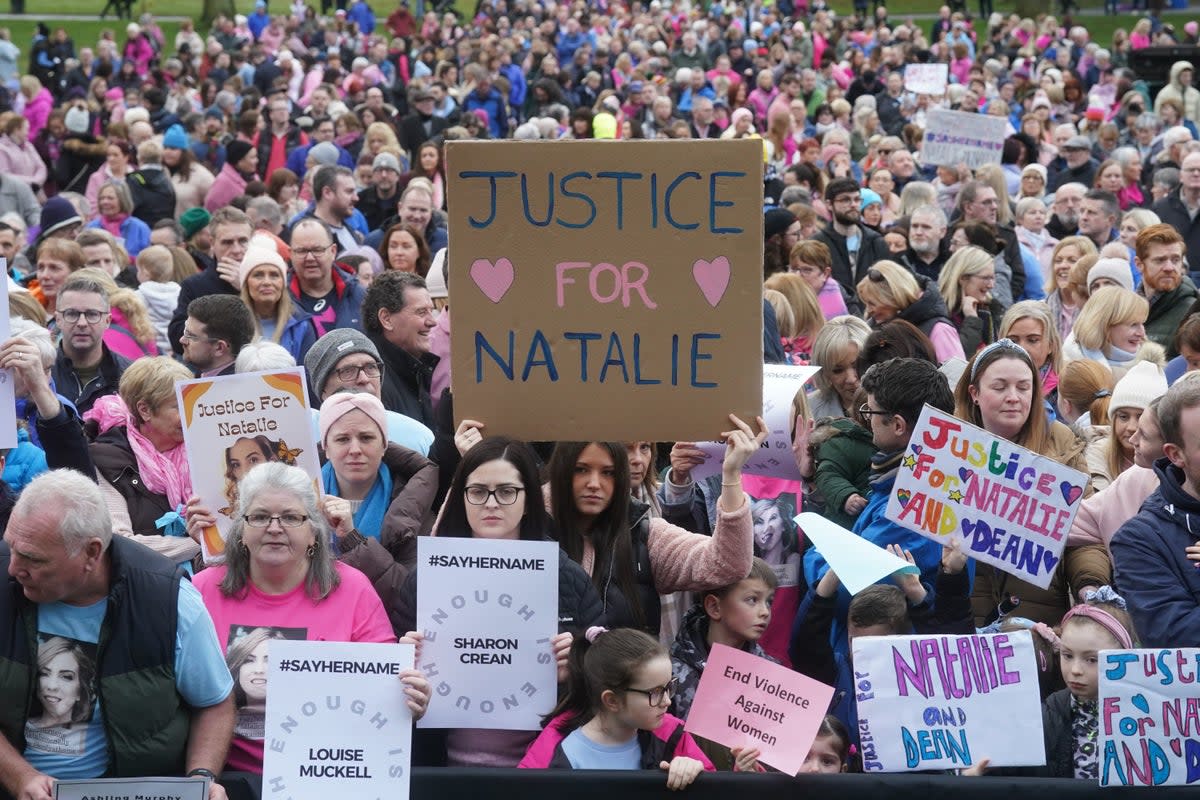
<point x="633" y="558"/>
<point x="1000" y="391"/>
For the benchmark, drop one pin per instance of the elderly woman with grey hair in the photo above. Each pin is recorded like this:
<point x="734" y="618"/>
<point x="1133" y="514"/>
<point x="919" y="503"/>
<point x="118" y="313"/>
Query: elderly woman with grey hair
<point x="280" y="574"/>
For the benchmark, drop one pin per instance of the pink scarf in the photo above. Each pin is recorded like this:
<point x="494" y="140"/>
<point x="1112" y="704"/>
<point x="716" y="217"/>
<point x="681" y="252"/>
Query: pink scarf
<point x="113" y="224"/>
<point x="162" y="473"/>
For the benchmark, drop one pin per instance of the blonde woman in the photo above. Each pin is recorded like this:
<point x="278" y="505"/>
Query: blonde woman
<point x="1063" y="301"/>
<point x="1031" y="218"/>
<point x="966" y="283"/>
<point x="836" y="351"/>
<point x="1030" y="324"/>
<point x="264" y="291"/>
<point x="892" y="292"/>
<point x="1084" y="391"/>
<point x="1132" y="222"/>
<point x="804" y="311"/>
<point x="993" y="176"/>
<point x="1111" y="329"/>
<point x="130" y="333"/>
<point x="380" y="138"/>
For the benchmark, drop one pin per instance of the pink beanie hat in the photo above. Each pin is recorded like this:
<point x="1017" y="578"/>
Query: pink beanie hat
<point x="339" y="405"/>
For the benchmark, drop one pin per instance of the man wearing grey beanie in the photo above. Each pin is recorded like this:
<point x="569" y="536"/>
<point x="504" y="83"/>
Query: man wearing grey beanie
<point x="345" y="358"/>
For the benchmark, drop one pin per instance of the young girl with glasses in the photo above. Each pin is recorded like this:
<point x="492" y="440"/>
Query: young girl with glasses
<point x="614" y="714"/>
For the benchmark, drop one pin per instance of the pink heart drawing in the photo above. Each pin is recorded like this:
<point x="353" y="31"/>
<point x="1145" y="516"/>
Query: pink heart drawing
<point x="1070" y="493"/>
<point x="493" y="279"/>
<point x="712" y="277"/>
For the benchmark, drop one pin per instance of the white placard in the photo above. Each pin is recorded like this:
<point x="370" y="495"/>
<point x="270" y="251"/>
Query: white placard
<point x="8" y="402"/>
<point x="927" y="78"/>
<point x="337" y="721"/>
<point x="1011" y="507"/>
<point x="775" y="458"/>
<point x="132" y="789"/>
<point x="1150" y="717"/>
<point x="945" y="702"/>
<point x="489" y="610"/>
<point x="957" y="137"/>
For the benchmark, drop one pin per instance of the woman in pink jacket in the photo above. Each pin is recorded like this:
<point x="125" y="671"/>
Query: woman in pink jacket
<point x="18" y="158"/>
<point x="1102" y="515"/>
<point x="38" y="104"/>
<point x="633" y="558"/>
<point x="138" y="48"/>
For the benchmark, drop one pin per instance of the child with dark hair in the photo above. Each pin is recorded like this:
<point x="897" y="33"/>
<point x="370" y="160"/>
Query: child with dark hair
<point x="734" y="615"/>
<point x="897" y="391"/>
<point x="880" y="610"/>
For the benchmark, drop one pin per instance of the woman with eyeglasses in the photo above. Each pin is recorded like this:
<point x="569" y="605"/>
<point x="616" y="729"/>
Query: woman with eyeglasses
<point x="496" y="494"/>
<point x="281" y="577"/>
<point x="1001" y="392"/>
<point x="892" y="292"/>
<point x="264" y="291"/>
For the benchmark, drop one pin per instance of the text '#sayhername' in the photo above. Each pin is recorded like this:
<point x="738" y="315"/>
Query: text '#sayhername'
<point x="489" y="562"/>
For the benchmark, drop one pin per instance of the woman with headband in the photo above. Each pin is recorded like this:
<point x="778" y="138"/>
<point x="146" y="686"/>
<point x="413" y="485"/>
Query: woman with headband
<point x="1000" y="391"/>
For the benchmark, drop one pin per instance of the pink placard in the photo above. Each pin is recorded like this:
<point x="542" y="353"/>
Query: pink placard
<point x="747" y="701"/>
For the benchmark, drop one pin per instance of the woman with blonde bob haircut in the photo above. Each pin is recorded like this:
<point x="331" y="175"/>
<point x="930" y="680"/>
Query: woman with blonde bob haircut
<point x="1062" y="299"/>
<point x="1030" y="324"/>
<point x="892" y="292"/>
<point x="965" y="284"/>
<point x="835" y="351"/>
<point x="807" y="316"/>
<point x="1111" y="329"/>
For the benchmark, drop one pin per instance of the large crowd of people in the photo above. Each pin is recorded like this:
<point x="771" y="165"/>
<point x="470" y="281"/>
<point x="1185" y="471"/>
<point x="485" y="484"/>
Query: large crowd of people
<point x="273" y="191"/>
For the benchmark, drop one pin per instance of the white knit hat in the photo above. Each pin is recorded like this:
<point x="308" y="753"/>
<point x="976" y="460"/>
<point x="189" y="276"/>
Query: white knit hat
<point x="1115" y="269"/>
<point x="1142" y="384"/>
<point x="262" y="250"/>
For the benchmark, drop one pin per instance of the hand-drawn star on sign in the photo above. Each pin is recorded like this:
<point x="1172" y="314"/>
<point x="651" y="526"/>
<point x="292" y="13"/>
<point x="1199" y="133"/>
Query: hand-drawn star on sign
<point x="956" y="496"/>
<point x="909" y="462"/>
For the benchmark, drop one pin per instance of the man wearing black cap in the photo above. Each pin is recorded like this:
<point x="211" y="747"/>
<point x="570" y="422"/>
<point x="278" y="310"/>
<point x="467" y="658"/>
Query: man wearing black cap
<point x="420" y="125"/>
<point x="1080" y="166"/>
<point x="854" y="248"/>
<point x="58" y="220"/>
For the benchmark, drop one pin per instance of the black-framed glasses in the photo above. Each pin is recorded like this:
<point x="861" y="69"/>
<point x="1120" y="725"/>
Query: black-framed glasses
<point x="866" y="411"/>
<point x="259" y="520"/>
<point x="655" y="696"/>
<point x="349" y="374"/>
<point x="505" y="495"/>
<point x="72" y="315"/>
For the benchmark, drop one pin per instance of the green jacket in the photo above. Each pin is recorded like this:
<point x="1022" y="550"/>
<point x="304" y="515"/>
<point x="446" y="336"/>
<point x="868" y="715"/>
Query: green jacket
<point x="843" y="467"/>
<point x="1167" y="313"/>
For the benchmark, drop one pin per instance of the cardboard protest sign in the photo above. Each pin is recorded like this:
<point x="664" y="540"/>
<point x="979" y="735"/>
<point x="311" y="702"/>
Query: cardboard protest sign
<point x="944" y="702"/>
<point x="957" y="137"/>
<point x="1011" y="507"/>
<point x="926" y="78"/>
<point x="132" y="788"/>
<point x="775" y="458"/>
<point x="488" y="610"/>
<point x="235" y="422"/>
<point x="337" y="721"/>
<point x="606" y="290"/>
<point x="1150" y="717"/>
<point x="747" y="701"/>
<point x="857" y="562"/>
<point x="8" y="404"/>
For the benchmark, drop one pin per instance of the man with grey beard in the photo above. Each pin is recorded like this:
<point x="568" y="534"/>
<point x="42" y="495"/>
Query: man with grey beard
<point x="1067" y="202"/>
<point x="926" y="253"/>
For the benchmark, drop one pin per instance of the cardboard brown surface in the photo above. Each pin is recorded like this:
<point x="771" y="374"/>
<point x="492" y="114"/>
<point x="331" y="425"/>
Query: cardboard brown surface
<point x="630" y="310"/>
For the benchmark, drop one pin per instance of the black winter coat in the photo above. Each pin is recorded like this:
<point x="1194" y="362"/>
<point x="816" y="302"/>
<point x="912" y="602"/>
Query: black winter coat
<point x="928" y="310"/>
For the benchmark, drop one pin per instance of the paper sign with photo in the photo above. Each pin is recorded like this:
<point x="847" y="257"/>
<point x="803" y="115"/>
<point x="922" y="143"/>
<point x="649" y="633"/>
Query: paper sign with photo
<point x="233" y="423"/>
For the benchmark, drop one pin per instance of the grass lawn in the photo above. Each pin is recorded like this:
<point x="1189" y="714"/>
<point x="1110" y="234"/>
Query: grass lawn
<point x="86" y="33"/>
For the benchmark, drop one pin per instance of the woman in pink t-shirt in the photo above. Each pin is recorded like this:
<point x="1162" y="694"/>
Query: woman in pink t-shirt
<point x="280" y="581"/>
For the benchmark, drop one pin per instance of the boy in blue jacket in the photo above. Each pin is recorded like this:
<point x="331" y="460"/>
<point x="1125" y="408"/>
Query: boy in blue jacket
<point x="896" y="390"/>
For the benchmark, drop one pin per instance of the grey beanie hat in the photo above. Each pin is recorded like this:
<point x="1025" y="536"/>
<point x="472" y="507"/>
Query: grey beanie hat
<point x="331" y="348"/>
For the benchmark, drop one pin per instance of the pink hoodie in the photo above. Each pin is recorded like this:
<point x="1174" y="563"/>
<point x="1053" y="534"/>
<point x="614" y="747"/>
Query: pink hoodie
<point x="541" y="752"/>
<point x="1102" y="514"/>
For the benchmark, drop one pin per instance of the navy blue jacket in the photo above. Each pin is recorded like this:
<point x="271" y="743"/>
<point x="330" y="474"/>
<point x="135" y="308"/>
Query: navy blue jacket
<point x="1153" y="573"/>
